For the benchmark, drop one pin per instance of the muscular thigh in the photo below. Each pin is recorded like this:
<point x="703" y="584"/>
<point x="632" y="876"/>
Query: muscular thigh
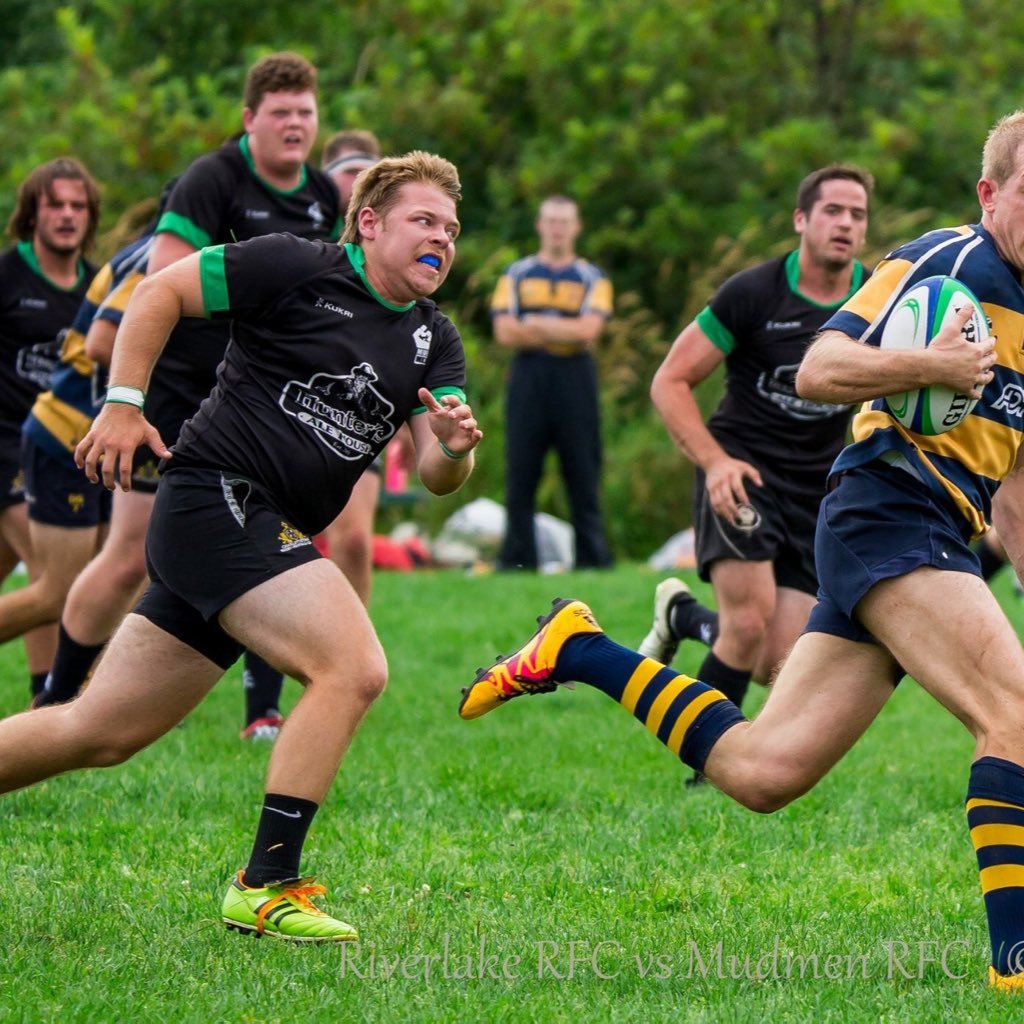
<point x="306" y="622"/>
<point x="743" y="585"/>
<point x="146" y="682"/>
<point x="61" y="552"/>
<point x="827" y="693"/>
<point x="949" y="633"/>
<point x="14" y="530"/>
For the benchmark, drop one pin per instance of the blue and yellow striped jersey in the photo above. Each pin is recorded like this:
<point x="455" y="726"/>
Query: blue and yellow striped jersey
<point x="530" y="286"/>
<point x="61" y="417"/>
<point x="967" y="464"/>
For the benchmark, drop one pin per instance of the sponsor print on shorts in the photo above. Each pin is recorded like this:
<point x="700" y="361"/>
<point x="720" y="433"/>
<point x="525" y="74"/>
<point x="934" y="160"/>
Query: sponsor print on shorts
<point x="346" y="413"/>
<point x="291" y="538"/>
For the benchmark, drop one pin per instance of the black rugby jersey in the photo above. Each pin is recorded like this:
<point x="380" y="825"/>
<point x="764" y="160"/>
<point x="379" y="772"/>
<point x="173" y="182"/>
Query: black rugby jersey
<point x="319" y="374"/>
<point x="220" y="199"/>
<point x="763" y="324"/>
<point x="33" y="314"/>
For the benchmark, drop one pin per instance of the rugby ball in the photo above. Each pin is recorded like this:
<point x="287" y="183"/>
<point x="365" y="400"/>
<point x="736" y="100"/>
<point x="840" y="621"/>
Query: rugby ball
<point x="917" y="317"/>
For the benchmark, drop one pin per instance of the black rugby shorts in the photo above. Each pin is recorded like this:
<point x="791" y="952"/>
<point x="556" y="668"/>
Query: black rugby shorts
<point x="213" y="537"/>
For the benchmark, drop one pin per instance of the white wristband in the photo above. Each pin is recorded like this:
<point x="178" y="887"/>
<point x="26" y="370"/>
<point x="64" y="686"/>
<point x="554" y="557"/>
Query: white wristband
<point x="122" y="394"/>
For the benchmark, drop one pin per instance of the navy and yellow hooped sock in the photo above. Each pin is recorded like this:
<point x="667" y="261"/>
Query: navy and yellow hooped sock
<point x="688" y="716"/>
<point x="995" y="814"/>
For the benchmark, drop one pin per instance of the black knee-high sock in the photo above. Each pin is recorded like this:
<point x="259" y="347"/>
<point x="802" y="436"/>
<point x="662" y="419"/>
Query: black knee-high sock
<point x="37" y="680"/>
<point x="690" y="620"/>
<point x="733" y="682"/>
<point x="277" y="849"/>
<point x="263" y="685"/>
<point x="71" y="666"/>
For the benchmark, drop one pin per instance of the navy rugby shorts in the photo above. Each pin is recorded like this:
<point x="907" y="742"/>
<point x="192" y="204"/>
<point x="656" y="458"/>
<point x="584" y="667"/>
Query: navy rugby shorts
<point x="879" y="522"/>
<point x="58" y="493"/>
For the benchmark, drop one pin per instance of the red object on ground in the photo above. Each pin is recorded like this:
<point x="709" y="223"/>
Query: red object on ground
<point x="402" y="556"/>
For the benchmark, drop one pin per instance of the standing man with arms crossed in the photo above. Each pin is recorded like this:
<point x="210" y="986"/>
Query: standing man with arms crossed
<point x="256" y="185"/>
<point x="763" y="457"/>
<point x="321" y="370"/>
<point x="550" y="309"/>
<point x="43" y="280"/>
<point x="901" y="589"/>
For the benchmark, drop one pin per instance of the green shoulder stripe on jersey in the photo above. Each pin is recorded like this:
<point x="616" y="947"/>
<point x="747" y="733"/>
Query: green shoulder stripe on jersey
<point x="28" y="254"/>
<point x="172" y="223"/>
<point x="719" y="335"/>
<point x="439" y="393"/>
<point x="357" y="258"/>
<point x="243" y="145"/>
<point x="214" y="283"/>
<point x="793" y="279"/>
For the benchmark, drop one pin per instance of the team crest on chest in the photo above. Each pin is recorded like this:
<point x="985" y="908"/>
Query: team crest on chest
<point x="346" y="413"/>
<point x="422" y="337"/>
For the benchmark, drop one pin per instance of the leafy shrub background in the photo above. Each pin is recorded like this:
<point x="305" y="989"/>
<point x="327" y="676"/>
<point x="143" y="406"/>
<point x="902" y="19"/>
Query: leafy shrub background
<point x="681" y="129"/>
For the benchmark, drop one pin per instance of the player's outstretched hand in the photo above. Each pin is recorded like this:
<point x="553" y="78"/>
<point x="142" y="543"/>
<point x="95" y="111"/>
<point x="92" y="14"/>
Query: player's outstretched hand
<point x="452" y="422"/>
<point x="107" y="450"/>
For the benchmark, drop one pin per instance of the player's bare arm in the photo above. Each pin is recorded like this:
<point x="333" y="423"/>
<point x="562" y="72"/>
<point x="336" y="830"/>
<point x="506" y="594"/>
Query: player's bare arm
<point x="841" y="370"/>
<point x="691" y="360"/>
<point x="445" y="436"/>
<point x="168" y="248"/>
<point x="99" y="341"/>
<point x="120" y="428"/>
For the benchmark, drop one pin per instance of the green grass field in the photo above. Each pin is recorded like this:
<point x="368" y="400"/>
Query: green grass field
<point x="542" y="864"/>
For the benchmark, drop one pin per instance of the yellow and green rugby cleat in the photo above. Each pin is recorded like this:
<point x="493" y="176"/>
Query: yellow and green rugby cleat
<point x="283" y="911"/>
